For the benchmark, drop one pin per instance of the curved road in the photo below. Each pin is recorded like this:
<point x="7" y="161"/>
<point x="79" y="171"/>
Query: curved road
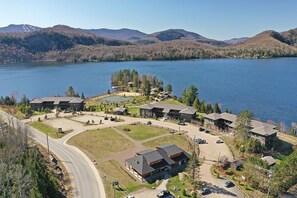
<point x="84" y="176"/>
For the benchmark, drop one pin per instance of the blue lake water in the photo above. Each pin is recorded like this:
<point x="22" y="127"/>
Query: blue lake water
<point x="267" y="87"/>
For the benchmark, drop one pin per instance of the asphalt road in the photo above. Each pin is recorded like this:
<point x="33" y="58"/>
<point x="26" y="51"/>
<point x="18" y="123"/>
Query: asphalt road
<point x="85" y="179"/>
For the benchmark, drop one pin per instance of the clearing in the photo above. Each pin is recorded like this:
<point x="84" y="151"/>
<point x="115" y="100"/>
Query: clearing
<point x="100" y="143"/>
<point x="142" y="132"/>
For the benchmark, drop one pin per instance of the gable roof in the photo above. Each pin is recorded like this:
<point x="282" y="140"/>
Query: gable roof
<point x="142" y="161"/>
<point x="140" y="164"/>
<point x="269" y="159"/>
<point x="57" y="100"/>
<point x="151" y="155"/>
<point x="258" y="127"/>
<point x="170" y="107"/>
<point x="170" y="149"/>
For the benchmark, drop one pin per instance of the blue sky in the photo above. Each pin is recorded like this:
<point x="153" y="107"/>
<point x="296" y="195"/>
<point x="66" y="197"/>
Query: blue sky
<point x="218" y="19"/>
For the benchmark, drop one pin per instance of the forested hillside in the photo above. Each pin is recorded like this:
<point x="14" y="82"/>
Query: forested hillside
<point x="23" y="172"/>
<point x="66" y="44"/>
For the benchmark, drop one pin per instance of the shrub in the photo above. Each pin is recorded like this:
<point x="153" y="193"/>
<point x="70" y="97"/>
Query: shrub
<point x="126" y="129"/>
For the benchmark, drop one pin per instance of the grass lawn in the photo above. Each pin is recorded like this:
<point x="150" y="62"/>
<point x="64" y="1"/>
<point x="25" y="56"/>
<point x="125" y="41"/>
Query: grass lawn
<point x="175" y="182"/>
<point x="134" y="111"/>
<point x="180" y="141"/>
<point x="51" y="131"/>
<point x="110" y="171"/>
<point x="100" y="143"/>
<point x="143" y="132"/>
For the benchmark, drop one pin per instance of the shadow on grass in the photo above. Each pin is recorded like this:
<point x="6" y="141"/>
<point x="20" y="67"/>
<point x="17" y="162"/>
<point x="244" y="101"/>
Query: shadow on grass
<point x="218" y="190"/>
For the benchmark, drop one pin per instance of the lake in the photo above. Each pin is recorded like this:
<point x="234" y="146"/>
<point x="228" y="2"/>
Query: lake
<point x="267" y="87"/>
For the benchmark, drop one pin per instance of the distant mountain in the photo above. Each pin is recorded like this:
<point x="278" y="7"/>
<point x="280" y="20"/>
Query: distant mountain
<point x="19" y="28"/>
<point x="236" y="40"/>
<point x="66" y="44"/>
<point x="121" y="34"/>
<point x="179" y="34"/>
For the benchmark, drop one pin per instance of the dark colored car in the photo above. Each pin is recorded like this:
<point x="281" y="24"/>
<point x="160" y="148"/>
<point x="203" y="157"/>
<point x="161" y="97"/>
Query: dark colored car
<point x="206" y="131"/>
<point x="201" y="129"/>
<point x="205" y="191"/>
<point x="229" y="184"/>
<point x="163" y="193"/>
<point x="149" y="123"/>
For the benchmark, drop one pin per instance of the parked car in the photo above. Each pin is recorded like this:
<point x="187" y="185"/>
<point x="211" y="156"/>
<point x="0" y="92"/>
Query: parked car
<point x="229" y="184"/>
<point x="219" y="141"/>
<point x="201" y="129"/>
<point x="205" y="191"/>
<point x="206" y="131"/>
<point x="130" y="196"/>
<point x="149" y="123"/>
<point x="199" y="141"/>
<point x="163" y="193"/>
<point x="112" y="119"/>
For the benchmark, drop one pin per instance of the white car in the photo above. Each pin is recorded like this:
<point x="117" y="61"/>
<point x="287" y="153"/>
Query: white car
<point x="130" y="196"/>
<point x="219" y="141"/>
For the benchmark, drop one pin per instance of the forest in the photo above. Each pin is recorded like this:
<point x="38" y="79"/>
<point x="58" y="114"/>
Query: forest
<point x="23" y="170"/>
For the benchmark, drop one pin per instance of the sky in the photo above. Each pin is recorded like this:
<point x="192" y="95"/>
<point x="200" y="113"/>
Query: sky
<point x="216" y="19"/>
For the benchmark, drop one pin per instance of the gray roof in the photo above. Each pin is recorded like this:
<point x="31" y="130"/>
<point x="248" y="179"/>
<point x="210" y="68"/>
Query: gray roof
<point x="170" y="149"/>
<point x="121" y="109"/>
<point x="152" y="156"/>
<point x="170" y="107"/>
<point x="258" y="127"/>
<point x="142" y="161"/>
<point x="269" y="159"/>
<point x="57" y="100"/>
<point x="140" y="165"/>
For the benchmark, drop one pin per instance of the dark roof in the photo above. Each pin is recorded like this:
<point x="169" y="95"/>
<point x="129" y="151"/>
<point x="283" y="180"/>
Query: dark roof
<point x="141" y="162"/>
<point x="140" y="165"/>
<point x="258" y="127"/>
<point x="152" y="156"/>
<point x="170" y="107"/>
<point x="170" y="149"/>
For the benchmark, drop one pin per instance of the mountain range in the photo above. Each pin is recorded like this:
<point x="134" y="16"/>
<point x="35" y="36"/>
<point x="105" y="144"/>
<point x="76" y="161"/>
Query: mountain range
<point x="27" y="43"/>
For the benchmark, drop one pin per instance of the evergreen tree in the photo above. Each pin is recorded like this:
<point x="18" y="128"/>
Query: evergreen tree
<point x="82" y="95"/>
<point x="168" y="88"/>
<point x="147" y="88"/>
<point x="202" y="107"/>
<point x="196" y="103"/>
<point x="209" y="108"/>
<point x="70" y="92"/>
<point x="216" y="108"/>
<point x="243" y="125"/>
<point x="25" y="100"/>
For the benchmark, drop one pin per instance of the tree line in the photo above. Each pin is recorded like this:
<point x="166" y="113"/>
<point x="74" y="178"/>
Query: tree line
<point x="23" y="171"/>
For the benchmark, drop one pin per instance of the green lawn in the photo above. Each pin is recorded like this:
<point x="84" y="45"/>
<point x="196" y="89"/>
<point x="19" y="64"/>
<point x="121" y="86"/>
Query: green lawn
<point x="180" y="141"/>
<point x="51" y="131"/>
<point x="100" y="143"/>
<point x="111" y="170"/>
<point x="175" y="182"/>
<point x="143" y="132"/>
